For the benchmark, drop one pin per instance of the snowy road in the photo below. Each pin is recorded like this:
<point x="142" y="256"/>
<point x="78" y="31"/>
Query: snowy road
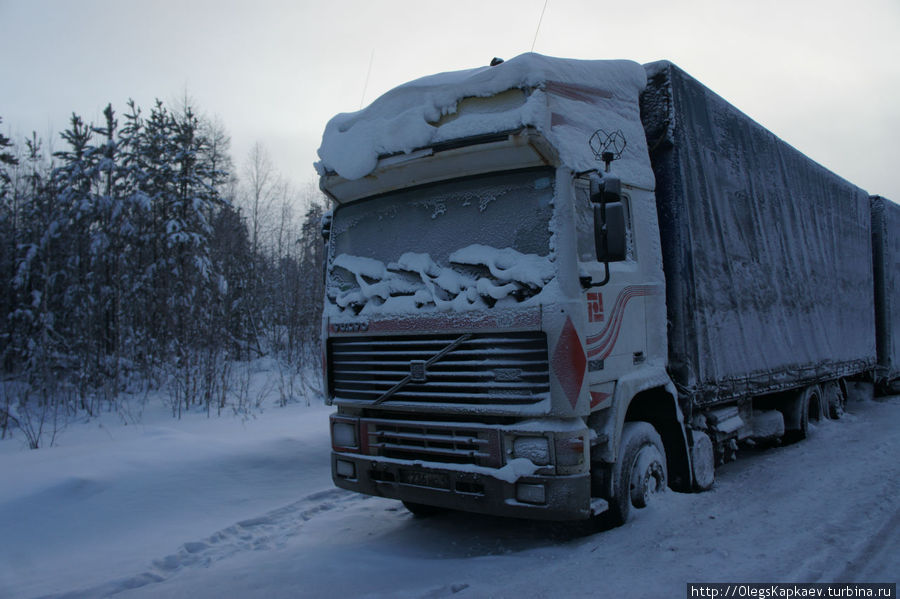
<point x="827" y="509"/>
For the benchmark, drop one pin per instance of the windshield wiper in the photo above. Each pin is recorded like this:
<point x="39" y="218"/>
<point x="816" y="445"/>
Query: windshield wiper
<point x="409" y="377"/>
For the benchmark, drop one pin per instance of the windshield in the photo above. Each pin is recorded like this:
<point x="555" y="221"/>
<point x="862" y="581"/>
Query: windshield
<point x="463" y="244"/>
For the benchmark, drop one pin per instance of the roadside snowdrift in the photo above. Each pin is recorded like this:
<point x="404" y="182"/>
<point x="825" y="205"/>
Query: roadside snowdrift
<point x="226" y="508"/>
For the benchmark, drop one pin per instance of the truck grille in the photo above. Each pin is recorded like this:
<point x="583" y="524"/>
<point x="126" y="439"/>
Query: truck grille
<point x="507" y="368"/>
<point x="433" y="442"/>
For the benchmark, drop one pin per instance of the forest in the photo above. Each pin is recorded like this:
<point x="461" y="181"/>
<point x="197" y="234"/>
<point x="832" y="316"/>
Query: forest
<point x="138" y="258"/>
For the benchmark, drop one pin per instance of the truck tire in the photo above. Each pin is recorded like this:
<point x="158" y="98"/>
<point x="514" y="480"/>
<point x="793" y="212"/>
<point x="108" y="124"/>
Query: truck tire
<point x="640" y="471"/>
<point x="796" y="414"/>
<point x="835" y="399"/>
<point x="703" y="461"/>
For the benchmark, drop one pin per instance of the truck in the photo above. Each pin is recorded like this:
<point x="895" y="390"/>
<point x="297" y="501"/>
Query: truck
<point x="556" y="287"/>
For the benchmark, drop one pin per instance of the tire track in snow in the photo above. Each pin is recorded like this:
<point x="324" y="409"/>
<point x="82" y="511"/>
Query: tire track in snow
<point x="269" y="531"/>
<point x="858" y="520"/>
<point x="881" y="551"/>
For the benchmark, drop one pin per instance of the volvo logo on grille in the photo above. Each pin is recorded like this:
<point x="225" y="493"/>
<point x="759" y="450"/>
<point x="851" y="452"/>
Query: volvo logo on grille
<point x="417" y="371"/>
<point x="349" y="327"/>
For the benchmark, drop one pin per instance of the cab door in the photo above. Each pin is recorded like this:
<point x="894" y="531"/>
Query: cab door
<point x="616" y="327"/>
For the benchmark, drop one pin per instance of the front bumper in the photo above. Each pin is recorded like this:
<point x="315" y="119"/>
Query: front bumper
<point x="540" y="497"/>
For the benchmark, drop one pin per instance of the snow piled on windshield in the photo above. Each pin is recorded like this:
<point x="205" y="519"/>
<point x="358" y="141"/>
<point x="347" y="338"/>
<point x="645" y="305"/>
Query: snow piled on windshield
<point x="566" y="100"/>
<point x="479" y="277"/>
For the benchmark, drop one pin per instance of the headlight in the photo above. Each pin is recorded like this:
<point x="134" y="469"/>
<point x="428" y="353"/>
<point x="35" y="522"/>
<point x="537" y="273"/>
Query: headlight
<point x="343" y="434"/>
<point x="536" y="449"/>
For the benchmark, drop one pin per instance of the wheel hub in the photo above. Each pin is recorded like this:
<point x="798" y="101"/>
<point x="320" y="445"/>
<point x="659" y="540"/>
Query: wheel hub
<point x="647" y="477"/>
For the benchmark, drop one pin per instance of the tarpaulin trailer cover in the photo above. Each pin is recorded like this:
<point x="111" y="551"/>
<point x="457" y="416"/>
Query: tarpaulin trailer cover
<point x="886" y="259"/>
<point x="767" y="254"/>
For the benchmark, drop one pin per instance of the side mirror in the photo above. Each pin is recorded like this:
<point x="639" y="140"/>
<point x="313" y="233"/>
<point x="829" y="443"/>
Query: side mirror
<point x="609" y="218"/>
<point x="609" y="225"/>
<point x="609" y="231"/>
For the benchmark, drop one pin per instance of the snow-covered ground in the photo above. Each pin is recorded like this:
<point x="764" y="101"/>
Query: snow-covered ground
<point x="225" y="507"/>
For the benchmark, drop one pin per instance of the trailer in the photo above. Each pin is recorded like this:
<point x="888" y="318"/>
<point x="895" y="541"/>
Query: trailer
<point x="886" y="266"/>
<point x="556" y="287"/>
<point x="766" y="258"/>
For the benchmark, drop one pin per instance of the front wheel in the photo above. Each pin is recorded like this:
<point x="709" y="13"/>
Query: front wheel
<point x="639" y="473"/>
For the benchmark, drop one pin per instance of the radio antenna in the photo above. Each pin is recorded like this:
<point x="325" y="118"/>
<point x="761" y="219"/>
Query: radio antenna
<point x="366" y="84"/>
<point x="539" y="25"/>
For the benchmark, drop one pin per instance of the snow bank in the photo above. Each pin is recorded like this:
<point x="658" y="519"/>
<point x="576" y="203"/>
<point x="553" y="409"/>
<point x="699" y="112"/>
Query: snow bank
<point x="203" y="508"/>
<point x="566" y="100"/>
<point x="111" y="500"/>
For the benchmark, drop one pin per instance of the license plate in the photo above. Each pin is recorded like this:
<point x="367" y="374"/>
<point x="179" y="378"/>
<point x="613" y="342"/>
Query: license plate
<point x="418" y="478"/>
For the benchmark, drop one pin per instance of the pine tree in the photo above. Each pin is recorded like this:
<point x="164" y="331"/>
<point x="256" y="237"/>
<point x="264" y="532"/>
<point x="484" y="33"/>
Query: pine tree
<point x="9" y="239"/>
<point x="74" y="215"/>
<point x="108" y="242"/>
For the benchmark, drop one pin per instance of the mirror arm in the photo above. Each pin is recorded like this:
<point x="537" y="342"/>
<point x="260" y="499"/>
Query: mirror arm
<point x="601" y="247"/>
<point x="588" y="282"/>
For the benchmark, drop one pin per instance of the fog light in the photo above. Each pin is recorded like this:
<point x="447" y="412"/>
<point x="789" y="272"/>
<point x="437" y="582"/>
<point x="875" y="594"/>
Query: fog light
<point x="345" y="469"/>
<point x="530" y="493"/>
<point x="536" y="449"/>
<point x="343" y="434"/>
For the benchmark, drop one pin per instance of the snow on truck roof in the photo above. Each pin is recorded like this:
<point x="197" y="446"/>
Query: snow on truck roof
<point x="565" y="100"/>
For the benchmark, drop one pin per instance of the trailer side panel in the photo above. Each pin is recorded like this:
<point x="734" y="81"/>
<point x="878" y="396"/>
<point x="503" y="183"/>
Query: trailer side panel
<point x="767" y="254"/>
<point x="886" y="263"/>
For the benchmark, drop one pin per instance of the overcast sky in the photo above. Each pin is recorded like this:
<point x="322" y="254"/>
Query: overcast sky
<point x="821" y="74"/>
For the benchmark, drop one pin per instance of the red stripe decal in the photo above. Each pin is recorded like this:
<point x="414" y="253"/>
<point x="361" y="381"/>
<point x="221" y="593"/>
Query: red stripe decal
<point x="574" y="91"/>
<point x="598" y="397"/>
<point x="602" y="344"/>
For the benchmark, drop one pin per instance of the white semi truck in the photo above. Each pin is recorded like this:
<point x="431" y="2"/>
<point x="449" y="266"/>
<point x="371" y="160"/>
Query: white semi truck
<point x="555" y="287"/>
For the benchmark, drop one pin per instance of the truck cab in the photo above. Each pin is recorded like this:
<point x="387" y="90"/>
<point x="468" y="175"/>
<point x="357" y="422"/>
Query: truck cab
<point x="494" y="322"/>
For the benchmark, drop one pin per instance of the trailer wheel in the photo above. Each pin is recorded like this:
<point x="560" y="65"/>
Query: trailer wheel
<point x="797" y="412"/>
<point x="639" y="473"/>
<point x="703" y="461"/>
<point x="836" y="399"/>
